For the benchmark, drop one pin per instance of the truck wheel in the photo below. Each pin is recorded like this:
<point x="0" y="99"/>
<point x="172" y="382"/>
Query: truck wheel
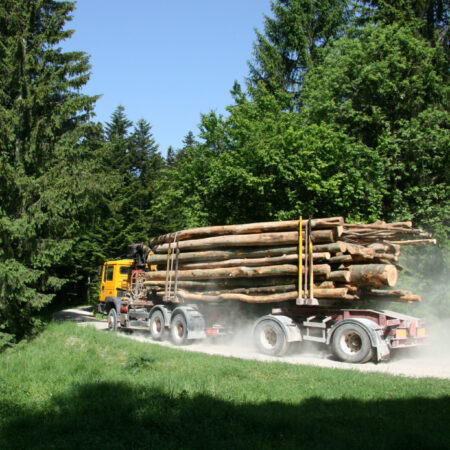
<point x="351" y="343"/>
<point x="270" y="338"/>
<point x="157" y="324"/>
<point x="178" y="330"/>
<point x="112" y="320"/>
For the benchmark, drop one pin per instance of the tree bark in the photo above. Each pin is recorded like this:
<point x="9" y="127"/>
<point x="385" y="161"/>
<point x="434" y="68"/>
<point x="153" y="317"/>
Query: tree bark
<point x="249" y="228"/>
<point x="285" y="259"/>
<point x="248" y="240"/>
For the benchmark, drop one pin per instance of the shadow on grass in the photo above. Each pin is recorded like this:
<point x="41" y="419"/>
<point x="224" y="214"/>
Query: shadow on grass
<point x="108" y="415"/>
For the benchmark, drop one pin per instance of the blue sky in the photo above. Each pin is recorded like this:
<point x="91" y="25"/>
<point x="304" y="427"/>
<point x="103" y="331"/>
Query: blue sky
<point x="166" y="61"/>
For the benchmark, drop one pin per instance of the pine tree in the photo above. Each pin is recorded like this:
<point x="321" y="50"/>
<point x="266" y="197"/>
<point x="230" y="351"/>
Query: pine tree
<point x="45" y="181"/>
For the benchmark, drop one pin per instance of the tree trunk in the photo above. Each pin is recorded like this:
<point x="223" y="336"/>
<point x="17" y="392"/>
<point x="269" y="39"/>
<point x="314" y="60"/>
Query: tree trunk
<point x="373" y="275"/>
<point x="249" y="228"/>
<point x="248" y="240"/>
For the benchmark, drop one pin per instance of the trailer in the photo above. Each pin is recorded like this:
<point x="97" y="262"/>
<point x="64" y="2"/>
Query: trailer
<point x="141" y="296"/>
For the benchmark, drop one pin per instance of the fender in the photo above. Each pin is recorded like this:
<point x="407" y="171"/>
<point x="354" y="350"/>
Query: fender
<point x="374" y="331"/>
<point x="289" y="327"/>
<point x="112" y="301"/>
<point x="166" y="312"/>
<point x="194" y="320"/>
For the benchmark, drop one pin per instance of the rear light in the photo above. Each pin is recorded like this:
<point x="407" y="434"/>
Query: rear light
<point x="401" y="334"/>
<point x="211" y="331"/>
<point x="123" y="309"/>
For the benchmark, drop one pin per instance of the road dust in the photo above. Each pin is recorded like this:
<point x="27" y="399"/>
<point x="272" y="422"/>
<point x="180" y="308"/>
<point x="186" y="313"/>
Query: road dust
<point x="432" y="360"/>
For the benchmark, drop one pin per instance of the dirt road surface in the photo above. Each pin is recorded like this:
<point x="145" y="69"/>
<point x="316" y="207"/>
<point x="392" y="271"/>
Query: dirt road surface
<point x="432" y="360"/>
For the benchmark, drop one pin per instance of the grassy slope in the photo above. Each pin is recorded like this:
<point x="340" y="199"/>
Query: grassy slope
<point x="79" y="388"/>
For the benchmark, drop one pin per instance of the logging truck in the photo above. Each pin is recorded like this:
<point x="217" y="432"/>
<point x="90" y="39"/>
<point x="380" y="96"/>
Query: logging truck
<point x="204" y="290"/>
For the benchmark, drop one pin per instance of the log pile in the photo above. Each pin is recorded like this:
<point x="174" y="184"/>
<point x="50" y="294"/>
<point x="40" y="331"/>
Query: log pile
<point x="308" y="262"/>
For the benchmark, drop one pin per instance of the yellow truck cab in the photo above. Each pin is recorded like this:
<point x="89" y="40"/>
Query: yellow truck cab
<point x="115" y="280"/>
<point x="119" y="282"/>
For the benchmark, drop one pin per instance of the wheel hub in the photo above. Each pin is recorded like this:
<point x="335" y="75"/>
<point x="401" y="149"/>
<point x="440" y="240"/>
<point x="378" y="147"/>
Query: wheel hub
<point x="269" y="337"/>
<point x="352" y="342"/>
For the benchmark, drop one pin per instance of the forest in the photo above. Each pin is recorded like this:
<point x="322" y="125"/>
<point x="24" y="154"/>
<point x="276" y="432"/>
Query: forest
<point x="344" y="112"/>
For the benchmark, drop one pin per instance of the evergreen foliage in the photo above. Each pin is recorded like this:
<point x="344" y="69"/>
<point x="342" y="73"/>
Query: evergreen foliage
<point x="45" y="184"/>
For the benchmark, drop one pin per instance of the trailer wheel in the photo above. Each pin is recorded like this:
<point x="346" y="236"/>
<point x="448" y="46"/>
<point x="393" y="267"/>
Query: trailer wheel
<point x="351" y="343"/>
<point x="112" y="320"/>
<point x="157" y="324"/>
<point x="270" y="338"/>
<point x="178" y="330"/>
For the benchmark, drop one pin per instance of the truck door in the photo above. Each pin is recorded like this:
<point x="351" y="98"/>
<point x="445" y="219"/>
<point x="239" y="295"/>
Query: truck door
<point x="107" y="288"/>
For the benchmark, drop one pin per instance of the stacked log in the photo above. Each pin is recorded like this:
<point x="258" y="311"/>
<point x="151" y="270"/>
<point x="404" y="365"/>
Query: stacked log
<point x="259" y="262"/>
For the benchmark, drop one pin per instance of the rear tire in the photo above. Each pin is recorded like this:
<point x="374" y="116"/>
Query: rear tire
<point x="178" y="330"/>
<point x="351" y="343"/>
<point x="270" y="339"/>
<point x="112" y="320"/>
<point x="157" y="325"/>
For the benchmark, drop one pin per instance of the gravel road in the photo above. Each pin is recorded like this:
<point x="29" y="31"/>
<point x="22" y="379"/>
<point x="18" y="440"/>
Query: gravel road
<point x="432" y="360"/>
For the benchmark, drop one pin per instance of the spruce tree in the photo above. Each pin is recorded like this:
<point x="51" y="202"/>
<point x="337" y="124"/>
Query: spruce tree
<point x="292" y="42"/>
<point x="45" y="184"/>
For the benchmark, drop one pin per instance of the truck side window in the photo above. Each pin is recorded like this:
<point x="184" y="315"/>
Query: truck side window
<point x="125" y="270"/>
<point x="109" y="273"/>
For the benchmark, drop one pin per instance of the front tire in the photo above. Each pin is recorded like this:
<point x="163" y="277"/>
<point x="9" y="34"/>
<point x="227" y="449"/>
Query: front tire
<point x="270" y="338"/>
<point x="351" y="343"/>
<point x="157" y="324"/>
<point x="178" y="330"/>
<point x="112" y="320"/>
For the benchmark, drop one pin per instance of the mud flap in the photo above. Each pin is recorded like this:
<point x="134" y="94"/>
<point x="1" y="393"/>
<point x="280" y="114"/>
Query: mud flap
<point x="194" y="320"/>
<point x="375" y="333"/>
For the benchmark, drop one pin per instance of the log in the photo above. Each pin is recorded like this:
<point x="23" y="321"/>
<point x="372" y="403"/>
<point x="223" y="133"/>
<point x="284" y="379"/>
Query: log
<point x="415" y="242"/>
<point x="273" y="298"/>
<point x="261" y="290"/>
<point x="334" y="247"/>
<point x="382" y="247"/>
<point x="341" y="259"/>
<point x="320" y="270"/>
<point x="225" y="284"/>
<point x="220" y="255"/>
<point x="340" y="276"/>
<point x="374" y="275"/>
<point x="249" y="228"/>
<point x="285" y="259"/>
<point x="248" y="240"/>
<point x="379" y="224"/>
<point x="410" y="298"/>
<point x="324" y="285"/>
<point x="232" y="272"/>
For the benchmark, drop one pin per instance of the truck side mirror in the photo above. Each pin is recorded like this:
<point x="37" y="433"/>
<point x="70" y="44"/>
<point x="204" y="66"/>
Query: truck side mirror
<point x="100" y="269"/>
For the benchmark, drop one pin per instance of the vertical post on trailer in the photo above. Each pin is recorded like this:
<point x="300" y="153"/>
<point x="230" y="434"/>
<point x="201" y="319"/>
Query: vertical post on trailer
<point x="300" y="261"/>
<point x="169" y="251"/>
<point x="306" y="259"/>
<point x="311" y="268"/>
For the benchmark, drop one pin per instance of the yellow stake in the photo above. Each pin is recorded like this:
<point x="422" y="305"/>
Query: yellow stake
<point x="311" y="269"/>
<point x="300" y="257"/>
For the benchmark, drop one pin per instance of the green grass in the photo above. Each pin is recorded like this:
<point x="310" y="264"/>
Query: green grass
<point x="76" y="387"/>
